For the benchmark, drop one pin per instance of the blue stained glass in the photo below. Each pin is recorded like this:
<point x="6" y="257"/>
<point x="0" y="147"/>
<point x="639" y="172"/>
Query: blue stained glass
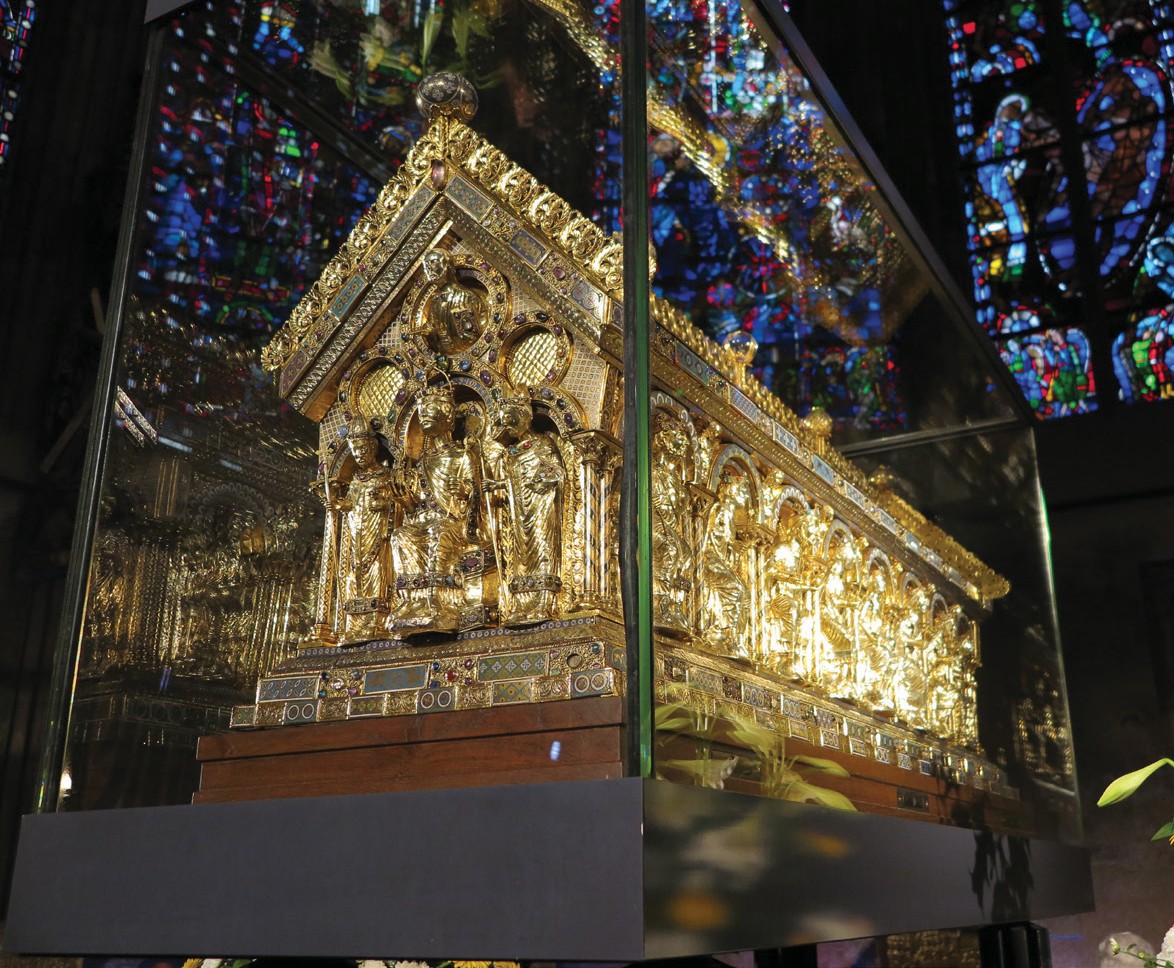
<point x="244" y="205"/>
<point x="1061" y="251"/>
<point x="16" y="24"/>
<point x="1080" y="24"/>
<point x="1020" y="319"/>
<point x="1143" y="358"/>
<point x="275" y="39"/>
<point x="994" y="39"/>
<point x="1158" y="267"/>
<point x="1053" y="371"/>
<point x="1126" y="166"/>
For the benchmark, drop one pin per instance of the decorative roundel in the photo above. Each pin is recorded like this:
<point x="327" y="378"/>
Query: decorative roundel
<point x="300" y="712"/>
<point x="377" y="392"/>
<point x="458" y="308"/>
<point x="532" y="358"/>
<point x="437" y="699"/>
<point x="536" y="351"/>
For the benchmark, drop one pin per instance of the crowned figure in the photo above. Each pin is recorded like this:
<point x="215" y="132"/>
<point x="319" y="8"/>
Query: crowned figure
<point x="435" y="492"/>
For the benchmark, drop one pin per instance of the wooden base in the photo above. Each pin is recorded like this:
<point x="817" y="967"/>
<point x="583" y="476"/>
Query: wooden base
<point x="872" y="787"/>
<point x="578" y="739"/>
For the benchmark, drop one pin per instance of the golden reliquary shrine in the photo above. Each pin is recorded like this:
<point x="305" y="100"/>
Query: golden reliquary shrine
<point x="461" y="355"/>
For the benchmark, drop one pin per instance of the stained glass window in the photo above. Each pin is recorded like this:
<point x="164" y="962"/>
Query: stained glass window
<point x="1094" y="260"/>
<point x="759" y="224"/>
<point x="1052" y="369"/>
<point x="244" y="208"/>
<point x="16" y="23"/>
<point x="1143" y="357"/>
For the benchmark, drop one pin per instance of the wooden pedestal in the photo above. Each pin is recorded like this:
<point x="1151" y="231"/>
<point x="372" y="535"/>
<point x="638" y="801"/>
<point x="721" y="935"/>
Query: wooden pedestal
<point x="578" y="739"/>
<point x="574" y="740"/>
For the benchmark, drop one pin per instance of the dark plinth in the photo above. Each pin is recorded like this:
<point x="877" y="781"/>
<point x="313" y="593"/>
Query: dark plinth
<point x="612" y="870"/>
<point x="528" y="743"/>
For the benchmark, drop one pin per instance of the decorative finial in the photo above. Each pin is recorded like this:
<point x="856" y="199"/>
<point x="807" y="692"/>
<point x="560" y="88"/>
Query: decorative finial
<point x="742" y="345"/>
<point x="819" y="423"/>
<point x="884" y="480"/>
<point x="446" y="95"/>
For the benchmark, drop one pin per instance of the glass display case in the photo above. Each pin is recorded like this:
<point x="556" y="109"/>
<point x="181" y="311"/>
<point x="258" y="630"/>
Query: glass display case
<point x="398" y="424"/>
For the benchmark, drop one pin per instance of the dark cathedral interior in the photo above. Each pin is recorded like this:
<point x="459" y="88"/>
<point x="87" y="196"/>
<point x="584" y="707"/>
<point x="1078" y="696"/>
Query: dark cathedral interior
<point x="968" y="116"/>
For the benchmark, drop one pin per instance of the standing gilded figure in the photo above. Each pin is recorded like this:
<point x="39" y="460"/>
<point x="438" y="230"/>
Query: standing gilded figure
<point x="724" y="595"/>
<point x="672" y="552"/>
<point x="364" y="508"/>
<point x="531" y="477"/>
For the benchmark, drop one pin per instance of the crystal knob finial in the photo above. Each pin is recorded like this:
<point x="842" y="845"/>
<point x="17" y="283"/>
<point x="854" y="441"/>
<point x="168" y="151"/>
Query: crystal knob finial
<point x="446" y="95"/>
<point x="742" y="345"/>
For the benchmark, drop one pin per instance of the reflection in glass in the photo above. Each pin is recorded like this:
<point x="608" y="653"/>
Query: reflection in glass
<point x="763" y="225"/>
<point x="201" y="576"/>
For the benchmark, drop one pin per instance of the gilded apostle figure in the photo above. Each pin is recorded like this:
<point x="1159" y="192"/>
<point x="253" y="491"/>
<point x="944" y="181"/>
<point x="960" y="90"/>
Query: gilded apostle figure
<point x="456" y="312"/>
<point x="435" y="492"/>
<point x="784" y="600"/>
<point x="530" y="481"/>
<point x="839" y="608"/>
<point x="672" y="552"/>
<point x="724" y="596"/>
<point x="363" y="506"/>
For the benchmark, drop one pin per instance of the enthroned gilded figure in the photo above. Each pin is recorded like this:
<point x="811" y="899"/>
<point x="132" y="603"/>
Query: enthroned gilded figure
<point x="435" y="493"/>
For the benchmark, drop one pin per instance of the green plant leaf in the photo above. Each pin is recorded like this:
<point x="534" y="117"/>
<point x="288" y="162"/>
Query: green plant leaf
<point x="810" y="793"/>
<point x="1165" y="832"/>
<point x="675" y="717"/>
<point x="461" y="22"/>
<point x="1127" y="785"/>
<point x="830" y="767"/>
<point x="763" y="741"/>
<point x="431" y="31"/>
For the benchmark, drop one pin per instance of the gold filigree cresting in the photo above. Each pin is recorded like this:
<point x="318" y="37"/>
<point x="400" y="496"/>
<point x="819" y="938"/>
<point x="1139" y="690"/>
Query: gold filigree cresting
<point x="729" y="364"/>
<point x="455" y="147"/>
